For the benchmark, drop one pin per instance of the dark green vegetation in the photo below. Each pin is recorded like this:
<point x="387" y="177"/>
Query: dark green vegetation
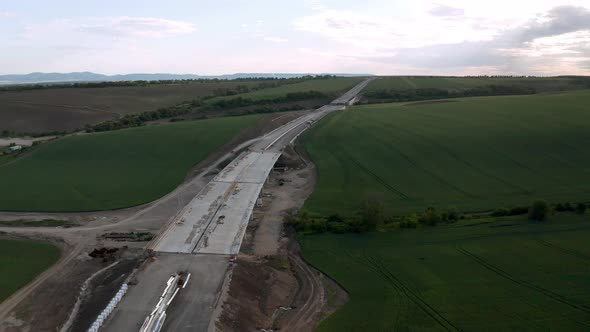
<point x="492" y="275"/>
<point x="21" y="261"/>
<point x="37" y="223"/>
<point x="401" y="88"/>
<point x="473" y="154"/>
<point x="113" y="169"/>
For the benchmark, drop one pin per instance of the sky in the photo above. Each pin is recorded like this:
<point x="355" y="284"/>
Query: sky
<point x="383" y="37"/>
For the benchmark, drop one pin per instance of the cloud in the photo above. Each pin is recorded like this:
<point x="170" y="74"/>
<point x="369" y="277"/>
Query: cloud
<point x="557" y="39"/>
<point x="557" y="21"/>
<point x="108" y="28"/>
<point x="315" y="5"/>
<point x="445" y="11"/>
<point x="136" y="26"/>
<point x="7" y="14"/>
<point x="275" y="39"/>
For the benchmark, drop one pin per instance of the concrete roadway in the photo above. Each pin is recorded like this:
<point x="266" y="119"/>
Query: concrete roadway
<point x="208" y="231"/>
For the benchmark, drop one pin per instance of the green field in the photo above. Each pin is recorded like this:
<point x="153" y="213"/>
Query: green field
<point x="474" y="154"/>
<point x="508" y="275"/>
<point x="21" y="261"/>
<point x="112" y="169"/>
<point x="327" y="86"/>
<point x="426" y="82"/>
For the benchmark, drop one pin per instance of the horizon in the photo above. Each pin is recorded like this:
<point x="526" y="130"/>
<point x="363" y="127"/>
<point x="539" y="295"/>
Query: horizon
<point x="432" y="38"/>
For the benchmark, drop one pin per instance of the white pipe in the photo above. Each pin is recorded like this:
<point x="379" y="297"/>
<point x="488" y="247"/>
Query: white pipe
<point x="186" y="281"/>
<point x="173" y="295"/>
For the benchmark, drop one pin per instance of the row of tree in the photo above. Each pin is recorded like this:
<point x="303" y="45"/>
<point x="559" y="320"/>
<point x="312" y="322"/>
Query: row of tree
<point x="237" y="102"/>
<point x="371" y="216"/>
<point x="433" y="93"/>
<point x="199" y="105"/>
<point x="104" y="84"/>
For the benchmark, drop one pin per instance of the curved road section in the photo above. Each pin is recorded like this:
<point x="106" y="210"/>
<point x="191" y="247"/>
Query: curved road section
<point x="202" y="237"/>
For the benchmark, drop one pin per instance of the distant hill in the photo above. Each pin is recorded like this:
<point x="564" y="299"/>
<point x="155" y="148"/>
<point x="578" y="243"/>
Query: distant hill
<point x="94" y="77"/>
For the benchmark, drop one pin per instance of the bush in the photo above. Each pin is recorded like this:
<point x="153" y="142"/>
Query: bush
<point x="410" y="221"/>
<point x="371" y="213"/>
<point x="581" y="208"/>
<point x="318" y="226"/>
<point x="430" y="217"/>
<point x="515" y="211"/>
<point x="501" y="212"/>
<point x="539" y="210"/>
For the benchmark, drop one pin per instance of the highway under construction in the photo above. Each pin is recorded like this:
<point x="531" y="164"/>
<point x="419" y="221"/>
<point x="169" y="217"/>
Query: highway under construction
<point x="200" y="242"/>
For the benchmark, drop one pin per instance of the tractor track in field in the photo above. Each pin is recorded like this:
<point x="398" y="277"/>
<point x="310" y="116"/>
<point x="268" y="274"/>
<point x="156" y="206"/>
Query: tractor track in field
<point x="567" y="251"/>
<point x="523" y="283"/>
<point x="401" y="288"/>
<point x="423" y="169"/>
<point x="376" y="176"/>
<point x="466" y="162"/>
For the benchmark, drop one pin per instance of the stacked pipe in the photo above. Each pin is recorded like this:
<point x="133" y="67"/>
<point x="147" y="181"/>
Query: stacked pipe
<point x="109" y="309"/>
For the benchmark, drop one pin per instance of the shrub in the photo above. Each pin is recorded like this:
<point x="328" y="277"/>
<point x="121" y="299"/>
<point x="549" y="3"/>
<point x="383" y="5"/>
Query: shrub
<point x="515" y="211"/>
<point x="581" y="208"/>
<point x="500" y="212"/>
<point x="410" y="221"/>
<point x="430" y="217"/>
<point x="371" y="214"/>
<point x="539" y="210"/>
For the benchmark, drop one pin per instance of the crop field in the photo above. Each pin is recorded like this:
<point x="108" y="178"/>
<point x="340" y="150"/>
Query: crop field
<point x="426" y="82"/>
<point x="49" y="110"/>
<point x="503" y="275"/>
<point x="112" y="169"/>
<point x="328" y="86"/>
<point x="21" y="261"/>
<point x="473" y="154"/>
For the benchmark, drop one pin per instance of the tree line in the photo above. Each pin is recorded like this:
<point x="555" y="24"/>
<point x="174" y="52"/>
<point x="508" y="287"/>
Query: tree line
<point x="266" y="82"/>
<point x="371" y="217"/>
<point x="393" y="95"/>
<point x="200" y="105"/>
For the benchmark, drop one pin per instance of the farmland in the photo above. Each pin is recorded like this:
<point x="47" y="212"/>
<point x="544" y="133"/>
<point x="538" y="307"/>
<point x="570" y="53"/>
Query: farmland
<point x="473" y="154"/>
<point x="48" y="110"/>
<point x="67" y="109"/>
<point x="21" y="261"/>
<point x="113" y="169"/>
<point x="493" y="275"/>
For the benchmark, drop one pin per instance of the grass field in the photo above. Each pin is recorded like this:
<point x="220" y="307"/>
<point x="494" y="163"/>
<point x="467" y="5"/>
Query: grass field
<point x="424" y="82"/>
<point x="113" y="169"/>
<point x="21" y="261"/>
<point x="474" y="154"/>
<point x="40" y="111"/>
<point x="508" y="275"/>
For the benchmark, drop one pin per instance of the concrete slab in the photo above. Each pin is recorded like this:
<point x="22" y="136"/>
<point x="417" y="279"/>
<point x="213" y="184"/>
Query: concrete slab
<point x="257" y="172"/>
<point x="225" y="234"/>
<point x="193" y="306"/>
<point x="187" y="228"/>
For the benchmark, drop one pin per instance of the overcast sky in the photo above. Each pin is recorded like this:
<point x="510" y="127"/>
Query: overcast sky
<point x="457" y="37"/>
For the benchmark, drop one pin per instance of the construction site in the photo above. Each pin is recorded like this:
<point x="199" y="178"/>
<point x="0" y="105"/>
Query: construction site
<point x="187" y="275"/>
